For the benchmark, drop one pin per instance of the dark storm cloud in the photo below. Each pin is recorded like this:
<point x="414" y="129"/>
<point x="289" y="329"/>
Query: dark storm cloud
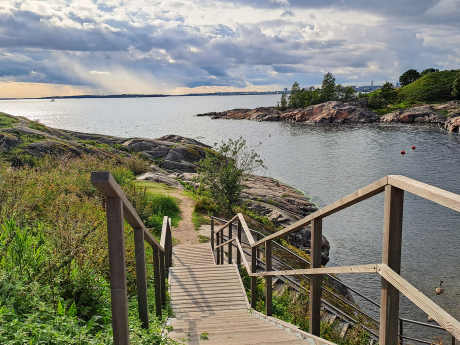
<point x="265" y="51"/>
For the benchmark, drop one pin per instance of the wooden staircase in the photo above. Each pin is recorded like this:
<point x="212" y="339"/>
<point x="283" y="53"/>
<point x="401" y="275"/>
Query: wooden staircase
<point x="211" y="307"/>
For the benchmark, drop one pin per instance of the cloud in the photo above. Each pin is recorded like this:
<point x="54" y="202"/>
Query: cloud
<point x="120" y="46"/>
<point x="287" y="13"/>
<point x="98" y="72"/>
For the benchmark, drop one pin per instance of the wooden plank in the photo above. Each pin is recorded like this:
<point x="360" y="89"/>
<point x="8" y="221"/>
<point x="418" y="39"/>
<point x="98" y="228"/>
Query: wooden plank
<point x="268" y="279"/>
<point x="226" y="224"/>
<point x="168" y="249"/>
<point x="391" y="256"/>
<point x="358" y="196"/>
<point x="246" y="229"/>
<point x="426" y="191"/>
<point x="218" y="262"/>
<point x="324" y="270"/>
<point x="117" y="269"/>
<point x="420" y="300"/>
<point x="212" y="236"/>
<point x="141" y="277"/>
<point x="106" y="184"/>
<point x="316" y="280"/>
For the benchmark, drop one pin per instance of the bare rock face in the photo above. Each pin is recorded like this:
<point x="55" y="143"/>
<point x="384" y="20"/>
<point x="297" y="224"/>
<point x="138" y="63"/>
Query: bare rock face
<point x="336" y="112"/>
<point x="329" y="112"/>
<point x="453" y="123"/>
<point x="423" y="114"/>
<point x="8" y="141"/>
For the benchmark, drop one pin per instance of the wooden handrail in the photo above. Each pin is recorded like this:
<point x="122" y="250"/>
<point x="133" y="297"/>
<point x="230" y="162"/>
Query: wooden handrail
<point x="226" y="224"/>
<point x="392" y="283"/>
<point x="324" y="270"/>
<point x="358" y="196"/>
<point x="119" y="209"/>
<point x="419" y="299"/>
<point x="106" y="184"/>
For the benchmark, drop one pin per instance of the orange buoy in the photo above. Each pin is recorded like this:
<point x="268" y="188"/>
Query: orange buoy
<point x="403" y="152"/>
<point x="413" y="147"/>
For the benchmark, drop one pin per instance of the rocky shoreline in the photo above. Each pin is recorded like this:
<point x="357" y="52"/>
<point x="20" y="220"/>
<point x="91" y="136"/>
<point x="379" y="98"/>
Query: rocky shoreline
<point x="173" y="161"/>
<point x="446" y="115"/>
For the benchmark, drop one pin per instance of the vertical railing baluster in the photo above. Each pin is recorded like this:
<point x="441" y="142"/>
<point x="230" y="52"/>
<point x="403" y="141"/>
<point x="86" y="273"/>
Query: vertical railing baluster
<point x="268" y="279"/>
<point x="141" y="277"/>
<point x="218" y="249"/>
<point x="253" y="279"/>
<point x="117" y="266"/>
<point x="168" y="251"/>
<point x="163" y="277"/>
<point x="238" y="254"/>
<point x="401" y="331"/>
<point x="258" y="248"/>
<point x="316" y="279"/>
<point x="157" y="277"/>
<point x="212" y="235"/>
<point x="230" y="244"/>
<point x="392" y="240"/>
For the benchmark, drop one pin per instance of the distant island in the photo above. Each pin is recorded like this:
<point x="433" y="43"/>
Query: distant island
<point x="239" y="93"/>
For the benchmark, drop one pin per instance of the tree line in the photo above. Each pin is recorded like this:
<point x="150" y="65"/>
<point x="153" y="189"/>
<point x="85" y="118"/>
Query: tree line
<point x="329" y="91"/>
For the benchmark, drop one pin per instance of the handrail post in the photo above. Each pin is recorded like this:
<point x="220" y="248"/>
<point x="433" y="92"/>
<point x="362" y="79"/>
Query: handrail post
<point x="141" y="277"/>
<point x="238" y="254"/>
<point x="268" y="279"/>
<point x="230" y="244"/>
<point x="168" y="249"/>
<point x="157" y="277"/>
<point x="392" y="240"/>
<point x="163" y="276"/>
<point x="401" y="331"/>
<point x="212" y="235"/>
<point x="258" y="248"/>
<point x="316" y="279"/>
<point x="117" y="264"/>
<point x="253" y="279"/>
<point x="218" y="249"/>
<point x="222" y="251"/>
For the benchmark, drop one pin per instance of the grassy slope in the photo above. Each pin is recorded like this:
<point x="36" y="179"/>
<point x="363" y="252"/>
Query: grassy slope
<point x="433" y="88"/>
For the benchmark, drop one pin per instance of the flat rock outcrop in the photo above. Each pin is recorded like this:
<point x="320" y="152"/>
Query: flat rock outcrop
<point x="423" y="114"/>
<point x="329" y="112"/>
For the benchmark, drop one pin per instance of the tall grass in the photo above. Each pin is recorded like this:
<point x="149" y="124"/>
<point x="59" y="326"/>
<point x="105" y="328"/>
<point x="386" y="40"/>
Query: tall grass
<point x="53" y="252"/>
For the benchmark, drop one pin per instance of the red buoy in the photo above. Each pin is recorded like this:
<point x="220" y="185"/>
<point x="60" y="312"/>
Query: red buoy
<point x="413" y="147"/>
<point x="403" y="152"/>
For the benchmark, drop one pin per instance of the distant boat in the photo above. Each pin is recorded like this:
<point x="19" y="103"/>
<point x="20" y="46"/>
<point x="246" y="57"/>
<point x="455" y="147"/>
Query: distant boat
<point x="52" y="99"/>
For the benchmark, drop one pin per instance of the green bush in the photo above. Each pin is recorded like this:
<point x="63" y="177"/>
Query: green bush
<point x="7" y="121"/>
<point x="205" y="205"/>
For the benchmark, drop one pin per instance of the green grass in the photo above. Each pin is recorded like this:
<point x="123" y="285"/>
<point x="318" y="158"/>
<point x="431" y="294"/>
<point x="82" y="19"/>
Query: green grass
<point x="7" y="121"/>
<point x="198" y="220"/>
<point x="203" y="239"/>
<point x="37" y="126"/>
<point x="53" y="242"/>
<point x="432" y="87"/>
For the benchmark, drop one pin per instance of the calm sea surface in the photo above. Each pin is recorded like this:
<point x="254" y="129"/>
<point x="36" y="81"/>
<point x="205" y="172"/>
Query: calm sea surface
<point x="326" y="162"/>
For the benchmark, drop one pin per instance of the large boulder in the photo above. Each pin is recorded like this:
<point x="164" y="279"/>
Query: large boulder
<point x="9" y="141"/>
<point x="422" y="114"/>
<point x="336" y="112"/>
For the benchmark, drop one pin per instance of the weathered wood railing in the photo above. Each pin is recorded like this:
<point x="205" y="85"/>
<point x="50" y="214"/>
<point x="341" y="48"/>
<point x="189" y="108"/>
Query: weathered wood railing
<point x="389" y="270"/>
<point x="119" y="209"/>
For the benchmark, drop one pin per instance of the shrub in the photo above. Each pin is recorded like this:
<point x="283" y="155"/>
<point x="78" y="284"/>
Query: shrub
<point x="205" y="205"/>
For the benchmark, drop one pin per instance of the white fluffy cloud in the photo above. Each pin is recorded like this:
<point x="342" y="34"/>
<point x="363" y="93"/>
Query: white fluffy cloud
<point x="176" y="45"/>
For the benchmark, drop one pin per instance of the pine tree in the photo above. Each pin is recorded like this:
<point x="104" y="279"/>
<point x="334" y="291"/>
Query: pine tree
<point x="328" y="87"/>
<point x="456" y="87"/>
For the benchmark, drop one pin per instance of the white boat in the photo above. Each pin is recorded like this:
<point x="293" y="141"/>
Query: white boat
<point x="52" y="99"/>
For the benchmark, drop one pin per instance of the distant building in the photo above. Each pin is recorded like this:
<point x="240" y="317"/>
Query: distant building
<point x="372" y="83"/>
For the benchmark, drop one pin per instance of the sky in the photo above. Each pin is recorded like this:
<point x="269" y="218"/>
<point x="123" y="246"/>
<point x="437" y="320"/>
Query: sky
<point x="68" y="47"/>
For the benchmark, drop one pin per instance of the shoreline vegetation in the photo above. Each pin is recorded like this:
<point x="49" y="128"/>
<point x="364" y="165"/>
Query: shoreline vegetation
<point x="432" y="97"/>
<point x="54" y="262"/>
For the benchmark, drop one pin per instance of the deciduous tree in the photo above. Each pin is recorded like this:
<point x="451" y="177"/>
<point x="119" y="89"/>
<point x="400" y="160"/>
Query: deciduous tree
<point x="408" y="77"/>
